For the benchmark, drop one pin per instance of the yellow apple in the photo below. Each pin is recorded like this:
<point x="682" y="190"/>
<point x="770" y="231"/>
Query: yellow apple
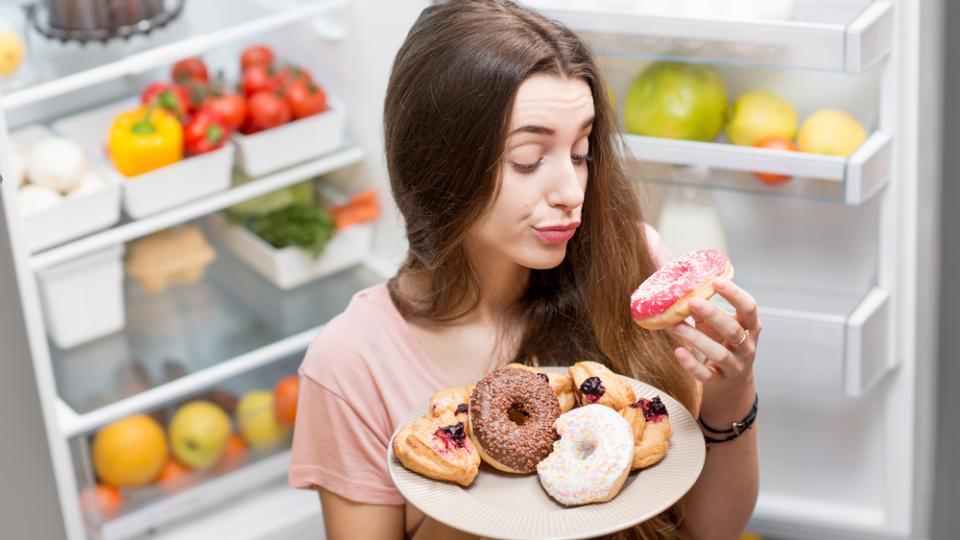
<point x="256" y="420"/>
<point x="198" y="434"/>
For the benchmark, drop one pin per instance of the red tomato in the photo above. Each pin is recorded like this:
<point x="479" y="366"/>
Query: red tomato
<point x="204" y="133"/>
<point x="305" y="99"/>
<point x="256" y="55"/>
<point x="291" y="73"/>
<point x="774" y="143"/>
<point x="196" y="92"/>
<point x="231" y="108"/>
<point x="267" y="110"/>
<point x="170" y="97"/>
<point x="257" y="78"/>
<point x="189" y="69"/>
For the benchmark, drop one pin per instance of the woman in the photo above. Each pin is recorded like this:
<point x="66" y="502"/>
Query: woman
<point x="526" y="240"/>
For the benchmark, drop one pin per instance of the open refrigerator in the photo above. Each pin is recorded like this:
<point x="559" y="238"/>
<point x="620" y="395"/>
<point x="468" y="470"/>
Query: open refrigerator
<point x="831" y="256"/>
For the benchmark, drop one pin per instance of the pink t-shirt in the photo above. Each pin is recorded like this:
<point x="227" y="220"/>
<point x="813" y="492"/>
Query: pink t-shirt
<point x="360" y="378"/>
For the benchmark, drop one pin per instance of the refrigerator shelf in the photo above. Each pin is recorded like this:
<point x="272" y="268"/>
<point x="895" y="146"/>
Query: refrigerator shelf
<point x="272" y="511"/>
<point x="131" y="230"/>
<point x="851" y="180"/>
<point x="848" y="36"/>
<point x="201" y="27"/>
<point x="823" y="343"/>
<point x="190" y="338"/>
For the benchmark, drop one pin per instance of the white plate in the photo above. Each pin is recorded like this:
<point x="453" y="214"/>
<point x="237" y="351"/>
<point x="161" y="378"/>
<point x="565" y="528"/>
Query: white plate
<point x="500" y="505"/>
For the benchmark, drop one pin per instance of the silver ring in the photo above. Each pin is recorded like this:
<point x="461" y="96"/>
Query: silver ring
<point x="746" y="334"/>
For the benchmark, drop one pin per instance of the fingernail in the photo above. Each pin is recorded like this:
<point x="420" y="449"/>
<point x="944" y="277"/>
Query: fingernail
<point x="680" y="328"/>
<point x="697" y="303"/>
<point x="719" y="283"/>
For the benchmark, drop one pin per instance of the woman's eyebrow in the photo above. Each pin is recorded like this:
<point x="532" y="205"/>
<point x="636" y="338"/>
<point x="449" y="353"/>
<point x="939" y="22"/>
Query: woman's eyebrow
<point x="542" y="130"/>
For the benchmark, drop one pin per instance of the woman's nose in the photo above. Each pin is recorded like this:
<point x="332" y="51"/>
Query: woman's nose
<point x="566" y="190"/>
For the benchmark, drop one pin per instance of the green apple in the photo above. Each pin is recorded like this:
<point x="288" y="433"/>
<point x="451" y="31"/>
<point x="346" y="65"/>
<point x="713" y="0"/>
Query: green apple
<point x="677" y="101"/>
<point x="198" y="434"/>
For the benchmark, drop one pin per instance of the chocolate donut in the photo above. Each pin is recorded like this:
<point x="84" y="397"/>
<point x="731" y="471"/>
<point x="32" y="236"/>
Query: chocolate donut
<point x="512" y="415"/>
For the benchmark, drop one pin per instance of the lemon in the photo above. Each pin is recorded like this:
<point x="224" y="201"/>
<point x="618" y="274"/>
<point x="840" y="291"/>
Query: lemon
<point x="130" y="452"/>
<point x="11" y="52"/>
<point x="831" y="131"/>
<point x="758" y="115"/>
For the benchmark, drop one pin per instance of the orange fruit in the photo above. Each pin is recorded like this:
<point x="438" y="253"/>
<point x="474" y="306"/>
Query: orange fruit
<point x="174" y="476"/>
<point x="774" y="143"/>
<point x="234" y="454"/>
<point x="130" y="452"/>
<point x="101" y="501"/>
<point x="285" y="395"/>
<point x="172" y="471"/>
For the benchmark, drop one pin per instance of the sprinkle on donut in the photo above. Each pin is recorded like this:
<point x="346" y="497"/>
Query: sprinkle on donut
<point x="675" y="280"/>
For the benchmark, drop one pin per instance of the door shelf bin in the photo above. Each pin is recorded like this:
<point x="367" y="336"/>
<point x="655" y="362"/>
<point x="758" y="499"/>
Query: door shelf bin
<point x="832" y="353"/>
<point x="851" y="180"/>
<point x="848" y="36"/>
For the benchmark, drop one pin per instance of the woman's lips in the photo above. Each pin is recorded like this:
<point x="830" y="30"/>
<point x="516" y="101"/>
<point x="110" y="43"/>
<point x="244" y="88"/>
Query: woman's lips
<point x="557" y="234"/>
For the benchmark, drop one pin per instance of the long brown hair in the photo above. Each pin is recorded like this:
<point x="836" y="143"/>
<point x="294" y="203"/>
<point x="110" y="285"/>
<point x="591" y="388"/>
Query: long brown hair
<point x="446" y="118"/>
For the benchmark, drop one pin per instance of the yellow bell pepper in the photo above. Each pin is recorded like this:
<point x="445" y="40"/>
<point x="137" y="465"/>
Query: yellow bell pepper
<point x="145" y="139"/>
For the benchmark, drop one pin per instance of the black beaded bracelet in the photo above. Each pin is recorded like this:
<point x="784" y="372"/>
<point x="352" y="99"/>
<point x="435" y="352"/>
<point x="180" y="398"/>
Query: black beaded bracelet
<point x="736" y="427"/>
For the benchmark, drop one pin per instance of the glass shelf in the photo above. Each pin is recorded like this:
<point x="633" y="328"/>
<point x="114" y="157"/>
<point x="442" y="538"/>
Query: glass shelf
<point x="180" y="333"/>
<point x="847" y="35"/>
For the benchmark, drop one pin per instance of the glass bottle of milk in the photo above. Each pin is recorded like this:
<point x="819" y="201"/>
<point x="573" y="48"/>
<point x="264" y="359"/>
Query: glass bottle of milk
<point x="689" y="219"/>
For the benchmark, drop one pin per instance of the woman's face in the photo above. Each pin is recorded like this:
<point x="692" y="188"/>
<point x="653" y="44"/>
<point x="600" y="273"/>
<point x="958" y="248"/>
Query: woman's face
<point x="543" y="175"/>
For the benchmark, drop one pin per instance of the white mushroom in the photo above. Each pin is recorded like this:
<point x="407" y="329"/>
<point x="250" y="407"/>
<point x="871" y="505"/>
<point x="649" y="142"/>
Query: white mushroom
<point x="56" y="163"/>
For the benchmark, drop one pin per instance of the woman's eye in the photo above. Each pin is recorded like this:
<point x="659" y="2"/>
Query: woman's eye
<point x="527" y="167"/>
<point x="581" y="158"/>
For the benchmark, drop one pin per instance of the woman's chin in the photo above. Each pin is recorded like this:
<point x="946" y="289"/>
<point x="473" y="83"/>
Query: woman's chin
<point x="545" y="259"/>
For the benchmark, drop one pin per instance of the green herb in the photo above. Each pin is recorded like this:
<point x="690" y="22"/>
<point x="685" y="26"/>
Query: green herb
<point x="306" y="227"/>
<point x="302" y="194"/>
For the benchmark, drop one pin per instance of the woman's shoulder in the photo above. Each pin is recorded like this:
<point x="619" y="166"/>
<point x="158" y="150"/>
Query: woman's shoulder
<point x="346" y="349"/>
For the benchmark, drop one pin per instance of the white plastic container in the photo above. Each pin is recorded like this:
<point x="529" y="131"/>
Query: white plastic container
<point x="77" y="214"/>
<point x="160" y="189"/>
<point x="83" y="299"/>
<point x="292" y="143"/>
<point x="291" y="267"/>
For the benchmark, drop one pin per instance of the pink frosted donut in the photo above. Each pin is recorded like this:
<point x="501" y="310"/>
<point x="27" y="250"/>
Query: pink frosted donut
<point x="663" y="299"/>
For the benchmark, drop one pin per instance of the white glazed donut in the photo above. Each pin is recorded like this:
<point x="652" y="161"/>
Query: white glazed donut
<point x="591" y="460"/>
